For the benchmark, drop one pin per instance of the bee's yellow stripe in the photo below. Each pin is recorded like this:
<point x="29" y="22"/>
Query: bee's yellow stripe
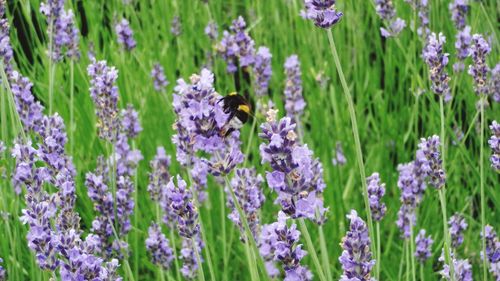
<point x="245" y="108"/>
<point x="233" y="94"/>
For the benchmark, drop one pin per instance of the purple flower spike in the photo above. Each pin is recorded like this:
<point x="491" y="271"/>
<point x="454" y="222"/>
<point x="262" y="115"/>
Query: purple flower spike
<point x="339" y="158"/>
<point x="462" y="271"/>
<point x="428" y="153"/>
<point x="462" y="44"/>
<point x="459" y="10"/>
<point x="356" y="258"/>
<point x="159" y="176"/>
<point x="412" y="187"/>
<point x="188" y="256"/>
<point x="6" y="53"/>
<point x="125" y="35"/>
<point x="180" y="200"/>
<point x="495" y="83"/>
<point x="237" y="46"/>
<point x="279" y="243"/>
<point x="246" y="185"/>
<point x="211" y="30"/>
<point x="175" y="27"/>
<point x="262" y="70"/>
<point x="376" y="190"/>
<point x="104" y="93"/>
<point x="494" y="143"/>
<point x="457" y="225"/>
<point x="322" y="12"/>
<point x="3" y="273"/>
<point x="159" y="79"/>
<point x="29" y="110"/>
<point x="437" y="61"/>
<point x="492" y="250"/>
<point x="158" y="246"/>
<point x="294" y="101"/>
<point x="385" y="9"/>
<point x="479" y="70"/>
<point x="130" y="122"/>
<point x="423" y="246"/>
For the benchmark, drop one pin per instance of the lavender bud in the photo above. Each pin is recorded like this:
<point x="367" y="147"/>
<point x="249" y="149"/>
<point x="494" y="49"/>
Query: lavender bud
<point x="459" y="10"/>
<point x="437" y="61"/>
<point x="492" y="250"/>
<point x="159" y="176"/>
<point x="130" y="122"/>
<point x="211" y="30"/>
<point x="159" y="79"/>
<point x="462" y="44"/>
<point x="175" y="27"/>
<point x="29" y="110"/>
<point x="237" y="46"/>
<point x="339" y="158"/>
<point x="3" y="273"/>
<point x="479" y="50"/>
<point x="189" y="252"/>
<point x="356" y="258"/>
<point x="376" y="190"/>
<point x="294" y="101"/>
<point x="494" y="143"/>
<point x="180" y="200"/>
<point x="457" y="225"/>
<point x="423" y="246"/>
<point x="412" y="187"/>
<point x="158" y="246"/>
<point x="125" y="35"/>
<point x="321" y="12"/>
<point x="262" y="70"/>
<point x="385" y="9"/>
<point x="428" y="153"/>
<point x="462" y="271"/>
<point x="495" y="83"/>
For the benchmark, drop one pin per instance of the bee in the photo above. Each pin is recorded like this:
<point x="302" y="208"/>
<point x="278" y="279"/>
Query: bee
<point x="239" y="112"/>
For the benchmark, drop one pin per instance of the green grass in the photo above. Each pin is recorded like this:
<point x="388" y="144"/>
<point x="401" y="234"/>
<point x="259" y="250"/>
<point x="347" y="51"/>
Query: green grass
<point x="382" y="76"/>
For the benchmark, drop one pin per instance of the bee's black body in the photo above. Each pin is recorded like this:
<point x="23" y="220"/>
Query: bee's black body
<point x="236" y="106"/>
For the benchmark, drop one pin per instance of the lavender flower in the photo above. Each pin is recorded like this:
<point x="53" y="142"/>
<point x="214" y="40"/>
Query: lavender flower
<point x="375" y="192"/>
<point x="492" y="250"/>
<point x="495" y="83"/>
<point x="175" y="27"/>
<point x="104" y="93"/>
<point x="211" y="30"/>
<point x="412" y="187"/>
<point x="437" y="60"/>
<point x="158" y="246"/>
<point x="462" y="44"/>
<point x="294" y="101"/>
<point x="159" y="176"/>
<point x="125" y="35"/>
<point x="180" y="200"/>
<point x="428" y="153"/>
<point x="322" y="12"/>
<point x="457" y="225"/>
<point x="29" y="110"/>
<point x="339" y="158"/>
<point x="191" y="248"/>
<point x="423" y="15"/>
<point x="462" y="270"/>
<point x="385" y="9"/>
<point x="70" y="35"/>
<point x="423" y="246"/>
<point x="479" y="49"/>
<point x="237" y="46"/>
<point x="278" y="242"/>
<point x="130" y="122"/>
<point x="53" y="10"/>
<point x="262" y="70"/>
<point x="494" y="143"/>
<point x="159" y="79"/>
<point x="297" y="177"/>
<point x="246" y="185"/>
<point x="6" y="53"/>
<point x="3" y="273"/>
<point x="356" y="258"/>
<point x="459" y="10"/>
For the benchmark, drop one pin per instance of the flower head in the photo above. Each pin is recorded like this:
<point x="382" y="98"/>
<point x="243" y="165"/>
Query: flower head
<point x="492" y="250"/>
<point x="322" y="12"/>
<point x="376" y="190"/>
<point x="236" y="46"/>
<point x="180" y="200"/>
<point x="294" y="101"/>
<point x="175" y="27"/>
<point x="432" y="164"/>
<point x="459" y="10"/>
<point x="462" y="270"/>
<point x="434" y="56"/>
<point x="423" y="245"/>
<point x="457" y="225"/>
<point x="462" y="44"/>
<point x="159" y="79"/>
<point x="158" y="246"/>
<point x="494" y="143"/>
<point x="479" y="70"/>
<point x="125" y="35"/>
<point x="262" y="70"/>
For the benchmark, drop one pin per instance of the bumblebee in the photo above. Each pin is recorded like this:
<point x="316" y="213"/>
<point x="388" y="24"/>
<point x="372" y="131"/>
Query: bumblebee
<point x="239" y="112"/>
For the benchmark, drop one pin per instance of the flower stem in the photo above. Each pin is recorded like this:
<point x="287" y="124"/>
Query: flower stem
<point x="481" y="170"/>
<point x="310" y="249"/>
<point x="354" y="124"/>
<point x="201" y="275"/>
<point x="72" y="106"/>
<point x="324" y="254"/>
<point x="412" y="253"/>
<point x="176" y="260"/>
<point x="378" y="252"/>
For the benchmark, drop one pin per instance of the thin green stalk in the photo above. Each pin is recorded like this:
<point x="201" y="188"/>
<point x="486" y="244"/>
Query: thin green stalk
<point x="354" y="124"/>
<point x="407" y="251"/>
<point x="176" y="261"/>
<point x="378" y="251"/>
<point x="51" y="81"/>
<point x="201" y="275"/>
<point x="222" y="207"/>
<point x="3" y="112"/>
<point x="72" y="106"/>
<point x="481" y="171"/>
<point x="324" y="254"/>
<point x="311" y="250"/>
<point x="421" y="272"/>
<point x="158" y="219"/>
<point x="16" y="120"/>
<point x="412" y="255"/>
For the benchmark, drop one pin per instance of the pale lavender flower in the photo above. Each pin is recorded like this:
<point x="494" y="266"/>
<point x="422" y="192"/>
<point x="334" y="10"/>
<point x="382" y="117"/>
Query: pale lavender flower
<point x="459" y="10"/>
<point x="437" y="60"/>
<point x="462" y="270"/>
<point x="492" y="250"/>
<point x="125" y="35"/>
<point x="423" y="246"/>
<point x="199" y="173"/>
<point x="52" y="10"/>
<point x="104" y="93"/>
<point x="494" y="143"/>
<point x="246" y="185"/>
<point x="423" y="15"/>
<point x="457" y="225"/>
<point x="130" y="122"/>
<point x="262" y="71"/>
<point x="495" y="83"/>
<point x="181" y="201"/>
<point x="322" y="12"/>
<point x="462" y="44"/>
<point x="356" y="258"/>
<point x="159" y="247"/>
<point x="211" y="30"/>
<point x="458" y="135"/>
<point x="159" y="176"/>
<point x="428" y="153"/>
<point x="71" y="35"/>
<point x="393" y="28"/>
<point x="296" y="176"/>
<point x="294" y="101"/>
<point x="339" y="158"/>
<point x="6" y="52"/>
<point x="412" y="187"/>
<point x="29" y="110"/>
<point x="279" y="243"/>
<point x="479" y="70"/>
<point x="236" y="46"/>
<point x="385" y="9"/>
<point x="175" y="27"/>
<point x="376" y="191"/>
<point x="159" y="79"/>
<point x="189" y="256"/>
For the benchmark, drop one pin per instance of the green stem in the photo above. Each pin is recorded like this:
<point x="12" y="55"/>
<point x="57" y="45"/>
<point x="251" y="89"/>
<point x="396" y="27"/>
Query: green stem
<point x="481" y="170"/>
<point x="354" y="124"/>
<point x="72" y="106"/>
<point x="158" y="220"/>
<point x="324" y="253"/>
<point x="407" y="251"/>
<point x="176" y="260"/>
<point x="412" y="253"/>
<point x="201" y="275"/>
<point x="311" y="250"/>
<point x="222" y="206"/>
<point x="51" y="82"/>
<point x="421" y="272"/>
<point x="378" y="251"/>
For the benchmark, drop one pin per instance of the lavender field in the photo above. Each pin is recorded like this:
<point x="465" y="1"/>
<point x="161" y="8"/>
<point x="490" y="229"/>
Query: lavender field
<point x="249" y="140"/>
